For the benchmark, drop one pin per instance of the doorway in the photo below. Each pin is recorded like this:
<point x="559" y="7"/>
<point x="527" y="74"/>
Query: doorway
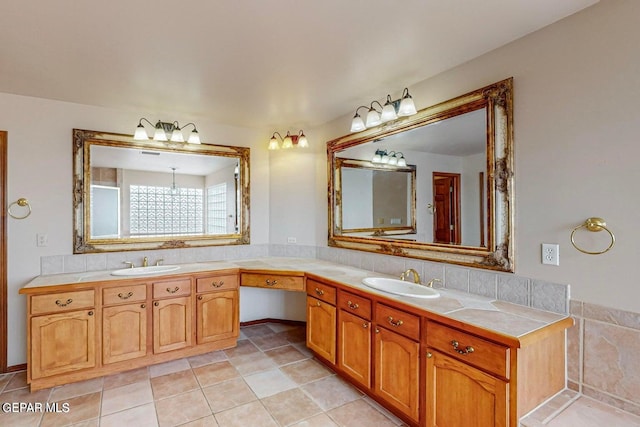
<point x="446" y="203"/>
<point x="3" y="252"/>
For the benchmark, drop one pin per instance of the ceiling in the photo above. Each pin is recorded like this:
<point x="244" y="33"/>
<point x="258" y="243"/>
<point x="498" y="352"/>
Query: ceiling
<point x="263" y="64"/>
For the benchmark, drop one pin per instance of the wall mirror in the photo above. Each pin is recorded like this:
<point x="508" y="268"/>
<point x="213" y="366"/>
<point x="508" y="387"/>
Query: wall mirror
<point x="138" y="195"/>
<point x="460" y="154"/>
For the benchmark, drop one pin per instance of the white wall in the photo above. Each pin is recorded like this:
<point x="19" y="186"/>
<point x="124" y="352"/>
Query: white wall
<point x="577" y="127"/>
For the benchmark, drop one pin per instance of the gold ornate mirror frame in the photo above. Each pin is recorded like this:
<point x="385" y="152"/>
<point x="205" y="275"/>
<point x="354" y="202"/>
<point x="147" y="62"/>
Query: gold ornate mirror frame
<point x="83" y="242"/>
<point x="499" y="251"/>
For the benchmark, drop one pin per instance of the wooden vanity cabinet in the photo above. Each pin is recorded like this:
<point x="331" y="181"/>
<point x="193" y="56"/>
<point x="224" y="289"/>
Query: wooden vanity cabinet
<point x="217" y="308"/>
<point x="354" y="338"/>
<point x="172" y="315"/>
<point x="321" y="320"/>
<point x="125" y="315"/>
<point x="283" y="280"/>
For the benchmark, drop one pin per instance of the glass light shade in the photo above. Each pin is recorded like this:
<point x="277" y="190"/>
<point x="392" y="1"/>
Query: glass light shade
<point x="141" y="133"/>
<point x="302" y="141"/>
<point x="176" y="135"/>
<point x="373" y="118"/>
<point x="402" y="162"/>
<point x="388" y="113"/>
<point x="160" y="135"/>
<point x="357" y="124"/>
<point x="273" y="143"/>
<point x="393" y="160"/>
<point x="287" y="142"/>
<point x="407" y="107"/>
<point x="377" y="158"/>
<point x="385" y="158"/>
<point x="194" y="137"/>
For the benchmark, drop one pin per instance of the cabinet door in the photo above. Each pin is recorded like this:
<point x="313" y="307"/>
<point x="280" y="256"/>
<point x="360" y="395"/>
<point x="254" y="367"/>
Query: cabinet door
<point x="171" y="324"/>
<point x="62" y="342"/>
<point x="458" y="394"/>
<point x="397" y="371"/>
<point x="124" y="332"/>
<point x="354" y="349"/>
<point x="321" y="328"/>
<point x="217" y="316"/>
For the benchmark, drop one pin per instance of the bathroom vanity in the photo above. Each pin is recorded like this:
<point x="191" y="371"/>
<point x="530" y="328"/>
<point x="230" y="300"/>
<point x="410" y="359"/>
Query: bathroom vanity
<point x="454" y="360"/>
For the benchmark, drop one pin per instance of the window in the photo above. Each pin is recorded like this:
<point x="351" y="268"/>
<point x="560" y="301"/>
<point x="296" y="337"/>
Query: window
<point x="217" y="209"/>
<point x="161" y="210"/>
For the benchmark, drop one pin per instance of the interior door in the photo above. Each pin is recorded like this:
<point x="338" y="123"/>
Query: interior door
<point x="3" y="251"/>
<point x="446" y="203"/>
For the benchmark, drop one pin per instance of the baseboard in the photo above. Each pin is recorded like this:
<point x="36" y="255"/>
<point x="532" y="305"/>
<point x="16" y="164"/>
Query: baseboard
<point x="269" y="320"/>
<point x="16" y="368"/>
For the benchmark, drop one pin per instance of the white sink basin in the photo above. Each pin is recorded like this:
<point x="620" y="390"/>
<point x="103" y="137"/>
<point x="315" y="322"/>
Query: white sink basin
<point x="141" y="271"/>
<point x="400" y="287"/>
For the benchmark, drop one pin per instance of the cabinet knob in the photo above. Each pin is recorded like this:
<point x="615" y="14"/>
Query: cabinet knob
<point x="429" y="355"/>
<point x="90" y="313"/>
<point x="377" y="331"/>
<point x="365" y="325"/>
<point x="200" y="297"/>
<point x="143" y="305"/>
<point x="156" y="303"/>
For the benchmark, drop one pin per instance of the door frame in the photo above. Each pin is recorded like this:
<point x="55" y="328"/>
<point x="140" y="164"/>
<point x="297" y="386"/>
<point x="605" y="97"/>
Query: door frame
<point x="454" y="202"/>
<point x="3" y="252"/>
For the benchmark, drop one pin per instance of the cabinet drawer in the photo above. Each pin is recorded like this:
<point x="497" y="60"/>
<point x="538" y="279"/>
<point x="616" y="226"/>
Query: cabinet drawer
<point x="273" y="281"/>
<point x="62" y="301"/>
<point x="217" y="283"/>
<point x="469" y="348"/>
<point x="172" y="288"/>
<point x="321" y="291"/>
<point x="399" y="321"/>
<point x="355" y="304"/>
<point x="124" y="294"/>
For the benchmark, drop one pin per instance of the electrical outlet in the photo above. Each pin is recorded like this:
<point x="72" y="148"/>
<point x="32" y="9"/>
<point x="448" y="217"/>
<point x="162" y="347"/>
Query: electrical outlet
<point x="291" y="240"/>
<point x="42" y="239"/>
<point x="551" y="253"/>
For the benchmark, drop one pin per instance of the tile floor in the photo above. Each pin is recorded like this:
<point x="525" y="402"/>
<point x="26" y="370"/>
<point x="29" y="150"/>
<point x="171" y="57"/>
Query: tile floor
<point x="269" y="379"/>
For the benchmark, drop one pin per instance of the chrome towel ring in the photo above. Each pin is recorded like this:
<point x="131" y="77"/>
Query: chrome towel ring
<point x="21" y="202"/>
<point x="593" y="224"/>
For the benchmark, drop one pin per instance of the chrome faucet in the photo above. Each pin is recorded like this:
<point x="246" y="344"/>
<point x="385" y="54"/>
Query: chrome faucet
<point x="416" y="276"/>
<point x="145" y="262"/>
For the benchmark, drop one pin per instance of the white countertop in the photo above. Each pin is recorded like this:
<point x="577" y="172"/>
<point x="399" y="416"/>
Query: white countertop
<point x="502" y="317"/>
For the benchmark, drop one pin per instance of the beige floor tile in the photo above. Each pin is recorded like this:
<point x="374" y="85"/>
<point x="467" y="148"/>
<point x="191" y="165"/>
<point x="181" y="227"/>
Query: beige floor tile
<point x="290" y="406"/>
<point x="144" y="415"/>
<point x="320" y="420"/>
<point x="209" y="421"/>
<point x="124" y="378"/>
<point x="81" y="408"/>
<point x="168" y="367"/>
<point x="586" y="412"/>
<point x="95" y="422"/>
<point x="215" y="373"/>
<point x="252" y="363"/>
<point x="207" y="358"/>
<point x="182" y="408"/>
<point x="280" y="327"/>
<point x="24" y="395"/>
<point x="267" y="342"/>
<point x="126" y="396"/>
<point x="20" y="419"/>
<point x="251" y="414"/>
<point x="4" y="380"/>
<point x="228" y="394"/>
<point x="268" y="383"/>
<point x="257" y="331"/>
<point x="306" y="371"/>
<point x="359" y="414"/>
<point x="331" y="392"/>
<point x="296" y="335"/>
<point x="19" y="380"/>
<point x="172" y="384"/>
<point x="68" y="391"/>
<point x="243" y="347"/>
<point x="285" y="355"/>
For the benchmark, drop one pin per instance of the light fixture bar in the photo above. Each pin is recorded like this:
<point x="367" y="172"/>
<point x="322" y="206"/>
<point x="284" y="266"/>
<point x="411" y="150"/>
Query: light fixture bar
<point x="289" y="141"/>
<point x="392" y="110"/>
<point x="166" y="132"/>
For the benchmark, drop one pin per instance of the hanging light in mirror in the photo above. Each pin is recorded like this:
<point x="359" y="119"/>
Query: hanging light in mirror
<point x="394" y="158"/>
<point x="391" y="110"/>
<point x="289" y="141"/>
<point x="166" y="131"/>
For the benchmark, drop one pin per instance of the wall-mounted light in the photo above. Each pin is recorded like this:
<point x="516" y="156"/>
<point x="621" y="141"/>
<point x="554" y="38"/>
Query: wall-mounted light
<point x="394" y="158"/>
<point x="166" y="131"/>
<point x="391" y="110"/>
<point x="289" y="141"/>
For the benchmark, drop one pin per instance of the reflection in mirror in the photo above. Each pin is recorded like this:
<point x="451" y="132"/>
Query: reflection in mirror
<point x="461" y="152"/>
<point x="144" y="195"/>
<point x="378" y="200"/>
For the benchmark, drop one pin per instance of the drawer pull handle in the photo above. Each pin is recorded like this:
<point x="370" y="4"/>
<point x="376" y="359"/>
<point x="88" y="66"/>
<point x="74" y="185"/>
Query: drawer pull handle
<point x="395" y="323"/>
<point x="174" y="290"/>
<point x="319" y="292"/>
<point x="467" y="350"/>
<point x="271" y="282"/>
<point x="352" y="305"/>
<point x="90" y="313"/>
<point x="63" y="304"/>
<point x="217" y="284"/>
<point x="125" y="296"/>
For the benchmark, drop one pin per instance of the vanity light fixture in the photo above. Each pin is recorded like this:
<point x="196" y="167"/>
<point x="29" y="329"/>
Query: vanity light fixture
<point x="166" y="131"/>
<point x="391" y="110"/>
<point x="289" y="141"/>
<point x="394" y="158"/>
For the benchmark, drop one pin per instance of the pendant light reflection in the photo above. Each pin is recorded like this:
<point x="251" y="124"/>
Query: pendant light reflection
<point x="393" y="158"/>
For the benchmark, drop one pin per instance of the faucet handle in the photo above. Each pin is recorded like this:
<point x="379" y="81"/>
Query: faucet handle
<point x="431" y="282"/>
<point x="129" y="263"/>
<point x="159" y="261"/>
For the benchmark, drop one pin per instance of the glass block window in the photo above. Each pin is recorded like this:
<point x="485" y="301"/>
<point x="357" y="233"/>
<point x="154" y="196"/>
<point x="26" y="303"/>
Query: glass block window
<point x="161" y="210"/>
<point x="217" y="209"/>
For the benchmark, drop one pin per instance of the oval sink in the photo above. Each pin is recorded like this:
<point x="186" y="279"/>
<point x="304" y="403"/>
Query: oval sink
<point x="140" y="271"/>
<point x="400" y="287"/>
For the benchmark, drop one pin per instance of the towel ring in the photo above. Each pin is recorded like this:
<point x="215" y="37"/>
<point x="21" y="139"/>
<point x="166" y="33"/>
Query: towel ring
<point x="593" y="224"/>
<point x="22" y="202"/>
